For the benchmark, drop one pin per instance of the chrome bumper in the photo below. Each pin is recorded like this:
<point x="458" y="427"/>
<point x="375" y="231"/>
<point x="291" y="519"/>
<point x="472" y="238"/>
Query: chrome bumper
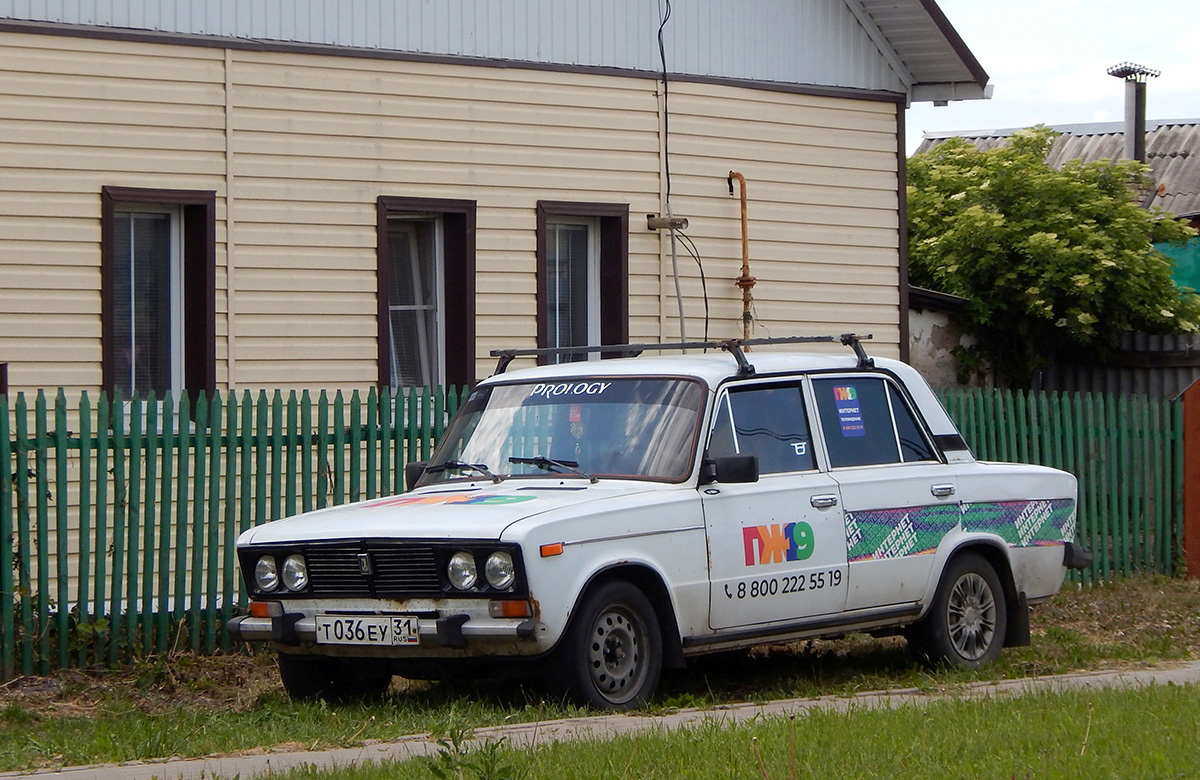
<point x="453" y="631"/>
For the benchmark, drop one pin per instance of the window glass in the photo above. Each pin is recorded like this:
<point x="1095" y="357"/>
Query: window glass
<point x="146" y="305"/>
<point x="572" y="283"/>
<point x="611" y="427"/>
<point x="767" y="421"/>
<point x="856" y="419"/>
<point x="413" y="303"/>
<point x="913" y="444"/>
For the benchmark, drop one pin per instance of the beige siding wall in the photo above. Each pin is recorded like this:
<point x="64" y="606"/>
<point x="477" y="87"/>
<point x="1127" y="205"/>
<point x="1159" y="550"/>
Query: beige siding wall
<point x="304" y="144"/>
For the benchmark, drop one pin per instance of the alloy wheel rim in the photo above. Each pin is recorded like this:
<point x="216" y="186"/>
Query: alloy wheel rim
<point x="971" y="616"/>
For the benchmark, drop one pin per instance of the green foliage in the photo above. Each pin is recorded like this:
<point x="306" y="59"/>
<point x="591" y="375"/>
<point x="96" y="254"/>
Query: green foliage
<point x="1050" y="260"/>
<point x="458" y="760"/>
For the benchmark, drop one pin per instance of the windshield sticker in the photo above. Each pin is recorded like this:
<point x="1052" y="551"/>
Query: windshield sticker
<point x="447" y="498"/>
<point x="777" y="543"/>
<point x="849" y="411"/>
<point x="569" y="389"/>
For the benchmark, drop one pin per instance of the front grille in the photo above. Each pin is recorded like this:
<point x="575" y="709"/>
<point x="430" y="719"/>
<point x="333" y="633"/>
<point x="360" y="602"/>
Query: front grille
<point x="397" y="571"/>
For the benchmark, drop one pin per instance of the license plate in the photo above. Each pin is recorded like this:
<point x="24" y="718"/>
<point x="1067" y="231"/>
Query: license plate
<point x="367" y="630"/>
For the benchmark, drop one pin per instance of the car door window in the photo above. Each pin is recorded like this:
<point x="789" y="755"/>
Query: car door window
<point x="866" y="421"/>
<point x="764" y="420"/>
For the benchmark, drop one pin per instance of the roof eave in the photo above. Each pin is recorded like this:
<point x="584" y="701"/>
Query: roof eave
<point x="944" y="92"/>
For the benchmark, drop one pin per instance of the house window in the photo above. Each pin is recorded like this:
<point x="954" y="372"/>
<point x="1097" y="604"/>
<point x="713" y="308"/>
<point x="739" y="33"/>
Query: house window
<point x="583" y="270"/>
<point x="158" y="265"/>
<point x="426" y="275"/>
<point x="572" y="284"/>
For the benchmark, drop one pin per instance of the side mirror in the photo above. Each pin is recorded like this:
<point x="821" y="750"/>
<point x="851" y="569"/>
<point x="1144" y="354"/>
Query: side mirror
<point x="413" y="473"/>
<point x="729" y="469"/>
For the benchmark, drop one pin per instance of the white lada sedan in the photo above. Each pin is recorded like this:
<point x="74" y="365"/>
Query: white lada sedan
<point x="599" y="520"/>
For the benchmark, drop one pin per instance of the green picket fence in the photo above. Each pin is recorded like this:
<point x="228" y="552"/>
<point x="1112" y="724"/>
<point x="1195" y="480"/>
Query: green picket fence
<point x="1125" y="450"/>
<point x="121" y="516"/>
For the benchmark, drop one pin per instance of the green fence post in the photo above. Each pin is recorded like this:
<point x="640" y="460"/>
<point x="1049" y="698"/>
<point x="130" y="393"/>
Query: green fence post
<point x="385" y="442"/>
<point x="246" y="449"/>
<point x="292" y="475"/>
<point x="212" y="564"/>
<point x="42" y="482"/>
<point x="133" y="515"/>
<point x="372" y="436"/>
<point x="229" y="559"/>
<point x="322" y="456"/>
<point x="120" y="507"/>
<point x="62" y="530"/>
<point x="307" y="454"/>
<point x="8" y="594"/>
<point x="399" y="439"/>
<point x="170" y="446"/>
<point x="354" y="443"/>
<point x="275" y="477"/>
<point x="103" y="449"/>
<point x="183" y="492"/>
<point x="24" y="550"/>
<point x="199" y="517"/>
<point x="339" y="448"/>
<point x="150" y="525"/>
<point x="261" y="443"/>
<point x="83" y="593"/>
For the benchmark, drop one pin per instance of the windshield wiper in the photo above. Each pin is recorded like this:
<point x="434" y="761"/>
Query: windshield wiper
<point x="458" y="465"/>
<point x="555" y="466"/>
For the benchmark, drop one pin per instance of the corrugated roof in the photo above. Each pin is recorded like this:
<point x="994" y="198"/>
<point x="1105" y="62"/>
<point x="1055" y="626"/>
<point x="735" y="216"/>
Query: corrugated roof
<point x="1172" y="152"/>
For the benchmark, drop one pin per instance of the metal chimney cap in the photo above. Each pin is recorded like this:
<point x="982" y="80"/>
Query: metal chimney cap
<point x="1131" y="71"/>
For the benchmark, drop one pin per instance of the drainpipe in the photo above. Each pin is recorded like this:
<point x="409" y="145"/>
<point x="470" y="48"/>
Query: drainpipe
<point x="1135" y="106"/>
<point x="745" y="282"/>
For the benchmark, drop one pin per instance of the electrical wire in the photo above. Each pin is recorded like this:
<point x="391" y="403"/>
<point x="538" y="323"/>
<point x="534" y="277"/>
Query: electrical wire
<point x="690" y="247"/>
<point x="662" y="56"/>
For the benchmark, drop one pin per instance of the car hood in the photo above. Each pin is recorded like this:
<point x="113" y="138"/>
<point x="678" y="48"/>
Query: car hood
<point x="466" y="511"/>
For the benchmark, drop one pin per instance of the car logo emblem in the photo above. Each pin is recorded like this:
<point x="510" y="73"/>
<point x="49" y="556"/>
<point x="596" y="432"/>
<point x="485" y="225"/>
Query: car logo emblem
<point x="364" y="563"/>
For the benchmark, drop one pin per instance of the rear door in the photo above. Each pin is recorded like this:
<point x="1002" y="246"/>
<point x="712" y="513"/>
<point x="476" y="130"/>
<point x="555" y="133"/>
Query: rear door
<point x="899" y="498"/>
<point x="777" y="547"/>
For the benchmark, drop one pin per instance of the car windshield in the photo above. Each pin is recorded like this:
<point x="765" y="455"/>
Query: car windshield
<point x="641" y="428"/>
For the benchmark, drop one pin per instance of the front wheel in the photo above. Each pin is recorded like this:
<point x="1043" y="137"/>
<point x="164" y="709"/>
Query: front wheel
<point x="611" y="655"/>
<point x="968" y="619"/>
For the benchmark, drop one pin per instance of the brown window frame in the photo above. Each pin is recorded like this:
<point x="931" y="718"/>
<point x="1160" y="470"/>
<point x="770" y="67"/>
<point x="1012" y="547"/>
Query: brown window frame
<point x="614" y="266"/>
<point x="458" y="258"/>
<point x="199" y="280"/>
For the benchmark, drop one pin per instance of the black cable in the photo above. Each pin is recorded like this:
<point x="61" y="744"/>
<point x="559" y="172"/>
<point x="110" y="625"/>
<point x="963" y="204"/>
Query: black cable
<point x="690" y="246"/>
<point x="662" y="56"/>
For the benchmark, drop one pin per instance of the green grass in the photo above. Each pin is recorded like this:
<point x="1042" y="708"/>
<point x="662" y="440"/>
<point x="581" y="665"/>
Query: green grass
<point x="190" y="706"/>
<point x="1148" y="733"/>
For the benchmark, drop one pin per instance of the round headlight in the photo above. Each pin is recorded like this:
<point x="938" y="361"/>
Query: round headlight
<point x="295" y="572"/>
<point x="266" y="575"/>
<point x="461" y="571"/>
<point x="499" y="570"/>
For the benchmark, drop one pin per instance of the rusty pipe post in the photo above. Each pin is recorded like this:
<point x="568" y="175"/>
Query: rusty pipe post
<point x="745" y="282"/>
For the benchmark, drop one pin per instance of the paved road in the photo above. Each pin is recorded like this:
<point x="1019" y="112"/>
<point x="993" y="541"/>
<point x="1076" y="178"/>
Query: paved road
<point x="602" y="727"/>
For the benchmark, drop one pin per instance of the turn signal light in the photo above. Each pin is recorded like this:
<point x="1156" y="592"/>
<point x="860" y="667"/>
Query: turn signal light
<point x="548" y="550"/>
<point x="509" y="609"/>
<point x="266" y="609"/>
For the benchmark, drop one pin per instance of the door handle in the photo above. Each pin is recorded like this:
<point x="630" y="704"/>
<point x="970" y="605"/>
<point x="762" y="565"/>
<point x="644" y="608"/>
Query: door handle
<point x="941" y="491"/>
<point x="824" y="500"/>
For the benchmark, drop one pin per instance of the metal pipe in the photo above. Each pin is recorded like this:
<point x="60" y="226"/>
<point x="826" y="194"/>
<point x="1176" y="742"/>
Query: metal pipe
<point x="745" y="282"/>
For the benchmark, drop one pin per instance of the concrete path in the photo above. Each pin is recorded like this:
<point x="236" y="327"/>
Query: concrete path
<point x="602" y="727"/>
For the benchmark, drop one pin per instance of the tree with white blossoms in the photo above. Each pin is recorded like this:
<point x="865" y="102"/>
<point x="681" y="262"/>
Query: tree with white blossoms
<point x="1050" y="260"/>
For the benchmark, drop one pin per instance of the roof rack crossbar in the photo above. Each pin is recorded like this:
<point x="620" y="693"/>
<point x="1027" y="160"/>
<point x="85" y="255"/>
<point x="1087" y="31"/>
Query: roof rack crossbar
<point x="732" y="346"/>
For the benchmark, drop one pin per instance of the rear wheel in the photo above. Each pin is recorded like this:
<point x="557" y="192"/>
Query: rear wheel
<point x="333" y="679"/>
<point x="611" y="655"/>
<point x="968" y="619"/>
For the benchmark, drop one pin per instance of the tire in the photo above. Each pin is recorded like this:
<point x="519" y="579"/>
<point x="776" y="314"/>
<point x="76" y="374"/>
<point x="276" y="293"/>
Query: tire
<point x="611" y="655"/>
<point x="966" y="624"/>
<point x="336" y="680"/>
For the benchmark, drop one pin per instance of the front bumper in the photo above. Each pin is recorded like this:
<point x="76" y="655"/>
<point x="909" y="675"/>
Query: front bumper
<point x="451" y="631"/>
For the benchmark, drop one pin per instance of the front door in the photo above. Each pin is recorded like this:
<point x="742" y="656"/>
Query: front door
<point x="777" y="547"/>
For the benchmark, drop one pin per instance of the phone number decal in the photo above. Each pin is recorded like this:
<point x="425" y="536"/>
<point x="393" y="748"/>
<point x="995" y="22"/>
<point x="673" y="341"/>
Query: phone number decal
<point x="782" y="586"/>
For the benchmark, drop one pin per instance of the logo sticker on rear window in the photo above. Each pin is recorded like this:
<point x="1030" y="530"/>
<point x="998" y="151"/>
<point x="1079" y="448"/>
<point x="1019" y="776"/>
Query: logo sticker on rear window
<point x="849" y="411"/>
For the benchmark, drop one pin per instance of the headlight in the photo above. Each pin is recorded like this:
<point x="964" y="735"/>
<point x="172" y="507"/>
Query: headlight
<point x="295" y="572"/>
<point x="499" y="570"/>
<point x="461" y="571"/>
<point x="266" y="575"/>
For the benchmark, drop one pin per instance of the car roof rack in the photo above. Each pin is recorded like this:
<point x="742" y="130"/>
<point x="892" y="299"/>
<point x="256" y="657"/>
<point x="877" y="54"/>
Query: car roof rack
<point x="732" y="346"/>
